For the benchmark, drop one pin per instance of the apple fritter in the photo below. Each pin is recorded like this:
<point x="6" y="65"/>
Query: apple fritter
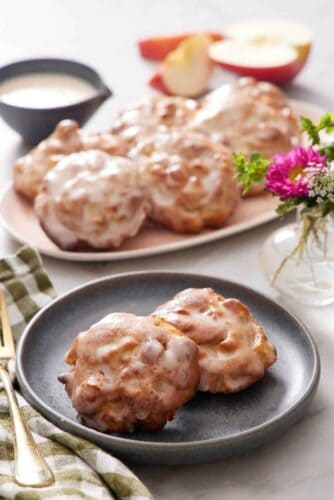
<point x="92" y="200"/>
<point x="234" y="351"/>
<point x="67" y="138"/>
<point x="190" y="180"/>
<point x="130" y="372"/>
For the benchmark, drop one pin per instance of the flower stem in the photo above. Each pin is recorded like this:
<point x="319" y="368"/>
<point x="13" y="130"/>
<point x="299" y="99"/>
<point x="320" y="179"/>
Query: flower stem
<point x="308" y="227"/>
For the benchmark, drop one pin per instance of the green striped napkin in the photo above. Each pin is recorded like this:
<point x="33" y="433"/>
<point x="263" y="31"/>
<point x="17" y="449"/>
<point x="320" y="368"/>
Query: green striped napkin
<point x="82" y="470"/>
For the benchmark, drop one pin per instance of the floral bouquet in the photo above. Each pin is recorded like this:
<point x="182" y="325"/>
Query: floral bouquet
<point x="302" y="178"/>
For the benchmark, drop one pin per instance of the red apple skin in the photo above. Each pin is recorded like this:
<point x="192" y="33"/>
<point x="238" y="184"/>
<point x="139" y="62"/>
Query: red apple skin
<point x="157" y="48"/>
<point x="157" y="83"/>
<point x="275" y="74"/>
<point x="282" y="74"/>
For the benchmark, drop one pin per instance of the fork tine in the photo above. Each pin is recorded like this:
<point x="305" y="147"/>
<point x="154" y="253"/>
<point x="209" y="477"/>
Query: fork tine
<point x="7" y="334"/>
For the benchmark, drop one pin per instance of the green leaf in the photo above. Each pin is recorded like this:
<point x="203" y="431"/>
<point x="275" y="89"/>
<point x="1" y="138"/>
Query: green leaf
<point x="328" y="151"/>
<point x="311" y="130"/>
<point x="326" y="122"/>
<point x="251" y="169"/>
<point x="285" y="207"/>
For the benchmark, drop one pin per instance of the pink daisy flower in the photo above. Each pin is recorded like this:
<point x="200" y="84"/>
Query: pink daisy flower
<point x="287" y="176"/>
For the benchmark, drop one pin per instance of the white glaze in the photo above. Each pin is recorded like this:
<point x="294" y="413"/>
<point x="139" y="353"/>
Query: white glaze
<point x="107" y="349"/>
<point x="45" y="90"/>
<point x="151" y="350"/>
<point x="92" y="197"/>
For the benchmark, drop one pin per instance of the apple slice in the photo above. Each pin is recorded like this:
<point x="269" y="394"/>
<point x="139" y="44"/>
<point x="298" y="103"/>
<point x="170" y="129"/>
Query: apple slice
<point x="157" y="48"/>
<point x="272" y="62"/>
<point x="186" y="70"/>
<point x="266" y="31"/>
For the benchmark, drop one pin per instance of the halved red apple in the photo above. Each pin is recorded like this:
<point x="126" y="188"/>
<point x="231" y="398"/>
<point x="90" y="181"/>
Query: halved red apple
<point x="272" y="62"/>
<point x="269" y="31"/>
<point x="275" y="51"/>
<point x="186" y="70"/>
<point x="157" y="48"/>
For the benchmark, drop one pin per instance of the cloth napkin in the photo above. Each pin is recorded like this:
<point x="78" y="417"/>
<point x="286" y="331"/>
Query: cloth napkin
<point x="82" y="470"/>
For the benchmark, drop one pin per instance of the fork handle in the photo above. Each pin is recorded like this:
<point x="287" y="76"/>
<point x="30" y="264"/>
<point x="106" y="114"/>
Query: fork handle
<point x="30" y="467"/>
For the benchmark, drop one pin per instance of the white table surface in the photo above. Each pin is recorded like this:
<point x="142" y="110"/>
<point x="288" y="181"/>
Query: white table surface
<point x="300" y="464"/>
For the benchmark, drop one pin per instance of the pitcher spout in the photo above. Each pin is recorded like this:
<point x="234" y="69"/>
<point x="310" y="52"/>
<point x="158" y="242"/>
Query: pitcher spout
<point x="105" y="93"/>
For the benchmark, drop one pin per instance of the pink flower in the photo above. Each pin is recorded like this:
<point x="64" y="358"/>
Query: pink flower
<point x="287" y="176"/>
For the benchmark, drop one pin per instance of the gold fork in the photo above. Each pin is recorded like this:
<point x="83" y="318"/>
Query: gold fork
<point x="30" y="467"/>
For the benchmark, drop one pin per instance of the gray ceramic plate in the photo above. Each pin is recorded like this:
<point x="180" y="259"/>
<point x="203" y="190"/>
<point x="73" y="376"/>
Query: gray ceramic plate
<point x="208" y="427"/>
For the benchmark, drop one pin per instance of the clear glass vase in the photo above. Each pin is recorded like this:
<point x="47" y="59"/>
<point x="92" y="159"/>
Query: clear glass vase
<point x="302" y="269"/>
